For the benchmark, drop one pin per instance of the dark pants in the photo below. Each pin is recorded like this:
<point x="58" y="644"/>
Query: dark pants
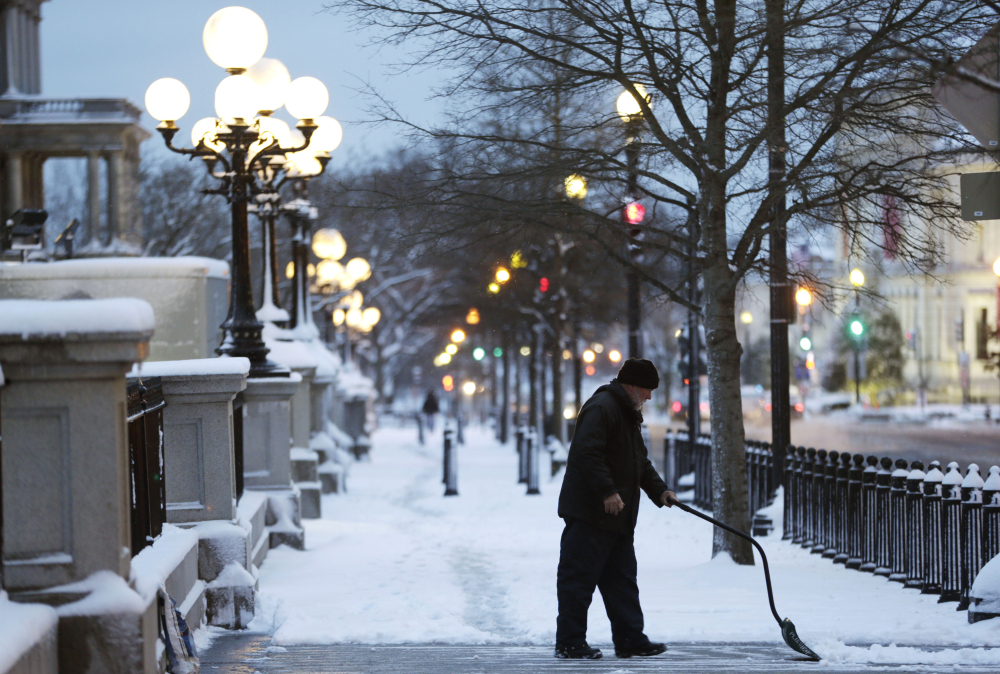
<point x="590" y="557"/>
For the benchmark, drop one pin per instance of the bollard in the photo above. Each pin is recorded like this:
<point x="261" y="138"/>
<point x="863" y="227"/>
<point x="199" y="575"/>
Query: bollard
<point x="818" y="499"/>
<point x="932" y="529"/>
<point x="869" y="507"/>
<point x="915" y="536"/>
<point x="450" y="465"/>
<point x="951" y="543"/>
<point x="972" y="531"/>
<point x="991" y="515"/>
<point x="855" y="519"/>
<point x="806" y="498"/>
<point x="420" y="428"/>
<point x="897" y="521"/>
<point x="883" y="529"/>
<point x="788" y="517"/>
<point x="522" y="456"/>
<point x="532" y="452"/>
<point x="830" y="506"/>
<point x="670" y="460"/>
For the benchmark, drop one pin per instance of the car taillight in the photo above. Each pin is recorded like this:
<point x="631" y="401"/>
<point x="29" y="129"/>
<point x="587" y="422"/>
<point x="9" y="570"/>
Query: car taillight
<point x="676" y="407"/>
<point x="703" y="407"/>
<point x="799" y="407"/>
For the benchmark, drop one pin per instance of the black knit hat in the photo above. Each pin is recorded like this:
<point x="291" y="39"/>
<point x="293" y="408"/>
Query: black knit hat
<point x="639" y="372"/>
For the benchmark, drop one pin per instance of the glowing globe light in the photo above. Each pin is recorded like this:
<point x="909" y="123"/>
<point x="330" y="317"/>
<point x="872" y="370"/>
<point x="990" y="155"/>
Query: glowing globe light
<point x="588" y="356"/>
<point x="576" y="186"/>
<point x="448" y="381"/>
<point x="502" y="275"/>
<point x="236" y="98"/>
<point x="803" y="297"/>
<point x="328" y="136"/>
<point x="328" y="271"/>
<point x="857" y="278"/>
<point x="469" y="387"/>
<point x="614" y="355"/>
<point x="167" y="99"/>
<point x="358" y="269"/>
<point x="567" y="354"/>
<point x="493" y="288"/>
<point x="525" y="350"/>
<point x="628" y="107"/>
<point x="451" y="349"/>
<point x="458" y="336"/>
<point x="306" y="98"/>
<point x="235" y="38"/>
<point x="338" y="316"/>
<point x="472" y="318"/>
<point x="272" y="80"/>
<point x="277" y="129"/>
<point x="353" y="318"/>
<point x="205" y="131"/>
<point x="746" y="318"/>
<point x="355" y="300"/>
<point x="303" y="164"/>
<point x="371" y="316"/>
<point x="329" y="243"/>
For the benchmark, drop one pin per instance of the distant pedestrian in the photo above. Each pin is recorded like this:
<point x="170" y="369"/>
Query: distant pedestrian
<point x="430" y="409"/>
<point x="607" y="466"/>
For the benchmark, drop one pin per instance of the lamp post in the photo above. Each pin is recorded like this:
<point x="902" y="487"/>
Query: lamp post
<point x="746" y="318"/>
<point x="631" y="113"/>
<point x="856" y="328"/>
<point x="242" y="144"/>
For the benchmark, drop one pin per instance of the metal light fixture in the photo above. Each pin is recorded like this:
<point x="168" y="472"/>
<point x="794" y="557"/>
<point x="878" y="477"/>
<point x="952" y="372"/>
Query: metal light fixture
<point x="243" y="152"/>
<point x="628" y="107"/>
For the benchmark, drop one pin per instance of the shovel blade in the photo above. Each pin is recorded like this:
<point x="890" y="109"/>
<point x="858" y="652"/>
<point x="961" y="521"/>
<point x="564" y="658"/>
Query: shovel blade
<point x="791" y="638"/>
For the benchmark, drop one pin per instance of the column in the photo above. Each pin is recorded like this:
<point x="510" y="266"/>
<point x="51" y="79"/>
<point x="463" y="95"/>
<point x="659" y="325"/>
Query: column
<point x="115" y="225"/>
<point x="93" y="197"/>
<point x="15" y="183"/>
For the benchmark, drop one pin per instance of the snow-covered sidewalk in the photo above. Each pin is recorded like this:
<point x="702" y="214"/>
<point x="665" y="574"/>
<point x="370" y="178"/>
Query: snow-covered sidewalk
<point x="393" y="561"/>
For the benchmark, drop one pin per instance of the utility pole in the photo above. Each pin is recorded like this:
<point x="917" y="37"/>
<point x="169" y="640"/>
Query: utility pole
<point x="781" y="297"/>
<point x="694" y="335"/>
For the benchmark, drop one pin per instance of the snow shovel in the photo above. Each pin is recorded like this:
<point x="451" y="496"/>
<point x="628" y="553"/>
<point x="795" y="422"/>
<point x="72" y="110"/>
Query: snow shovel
<point x="788" y="632"/>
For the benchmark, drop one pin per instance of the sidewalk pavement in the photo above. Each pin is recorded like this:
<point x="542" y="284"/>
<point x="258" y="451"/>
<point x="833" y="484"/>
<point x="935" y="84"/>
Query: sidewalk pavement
<point x="251" y="654"/>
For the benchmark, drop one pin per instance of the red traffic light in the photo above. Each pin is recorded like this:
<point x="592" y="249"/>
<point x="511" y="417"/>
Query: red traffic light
<point x="634" y="213"/>
<point x="543" y="285"/>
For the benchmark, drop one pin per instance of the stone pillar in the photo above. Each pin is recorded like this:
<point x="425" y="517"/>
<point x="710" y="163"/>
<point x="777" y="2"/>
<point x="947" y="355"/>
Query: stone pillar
<point x="93" y="197"/>
<point x="198" y="435"/>
<point x="266" y="454"/>
<point x="66" y="473"/>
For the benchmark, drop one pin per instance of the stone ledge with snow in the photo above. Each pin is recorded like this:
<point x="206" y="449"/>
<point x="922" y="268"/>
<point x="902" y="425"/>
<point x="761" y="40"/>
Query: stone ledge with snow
<point x="27" y="638"/>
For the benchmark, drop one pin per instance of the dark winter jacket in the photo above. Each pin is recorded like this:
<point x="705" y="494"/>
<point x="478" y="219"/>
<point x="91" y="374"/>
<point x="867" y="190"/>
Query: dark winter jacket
<point x="607" y="456"/>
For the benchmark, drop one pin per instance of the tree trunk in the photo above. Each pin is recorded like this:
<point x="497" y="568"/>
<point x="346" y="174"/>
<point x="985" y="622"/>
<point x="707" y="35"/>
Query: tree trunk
<point x="729" y="475"/>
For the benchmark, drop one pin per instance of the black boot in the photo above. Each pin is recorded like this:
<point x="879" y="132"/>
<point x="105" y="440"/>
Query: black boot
<point x="642" y="650"/>
<point x="582" y="652"/>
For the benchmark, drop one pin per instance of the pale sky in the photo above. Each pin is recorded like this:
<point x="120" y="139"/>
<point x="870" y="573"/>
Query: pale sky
<point x="116" y="48"/>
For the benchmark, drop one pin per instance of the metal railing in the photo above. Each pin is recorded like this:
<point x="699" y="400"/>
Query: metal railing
<point x="931" y="530"/>
<point x="145" y="448"/>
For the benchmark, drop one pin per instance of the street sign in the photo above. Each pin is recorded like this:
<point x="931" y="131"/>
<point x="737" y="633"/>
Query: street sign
<point x="980" y="196"/>
<point x="974" y="106"/>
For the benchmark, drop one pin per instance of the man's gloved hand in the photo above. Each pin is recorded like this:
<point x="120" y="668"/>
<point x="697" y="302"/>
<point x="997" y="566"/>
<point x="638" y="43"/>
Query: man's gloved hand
<point x="613" y="504"/>
<point x="668" y="498"/>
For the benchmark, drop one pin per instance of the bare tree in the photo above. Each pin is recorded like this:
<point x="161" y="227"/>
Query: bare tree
<point x="856" y="126"/>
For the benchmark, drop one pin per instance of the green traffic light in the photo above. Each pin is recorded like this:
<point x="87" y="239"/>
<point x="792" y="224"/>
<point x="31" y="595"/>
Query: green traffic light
<point x="497" y="352"/>
<point x="857" y="327"/>
<point x="805" y="344"/>
<point x="478" y="353"/>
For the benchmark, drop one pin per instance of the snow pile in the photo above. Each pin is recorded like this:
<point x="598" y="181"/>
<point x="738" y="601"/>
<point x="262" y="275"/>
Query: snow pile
<point x="107" y="593"/>
<point x="351" y="384"/>
<point x="152" y="566"/>
<point x="59" y="318"/>
<point x="21" y="627"/>
<point x="986" y="588"/>
<point x="232" y="575"/>
<point x="195" y="367"/>
<point x="836" y="652"/>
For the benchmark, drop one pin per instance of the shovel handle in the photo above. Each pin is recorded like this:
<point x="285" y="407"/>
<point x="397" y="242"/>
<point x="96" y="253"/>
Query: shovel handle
<point x="763" y="557"/>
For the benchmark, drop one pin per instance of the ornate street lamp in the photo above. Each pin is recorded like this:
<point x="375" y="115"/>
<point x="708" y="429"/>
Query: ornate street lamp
<point x="631" y="113"/>
<point x="238" y="148"/>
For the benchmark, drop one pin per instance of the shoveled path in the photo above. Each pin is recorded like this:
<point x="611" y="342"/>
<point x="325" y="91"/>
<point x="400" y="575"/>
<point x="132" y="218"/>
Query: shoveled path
<point x="251" y="654"/>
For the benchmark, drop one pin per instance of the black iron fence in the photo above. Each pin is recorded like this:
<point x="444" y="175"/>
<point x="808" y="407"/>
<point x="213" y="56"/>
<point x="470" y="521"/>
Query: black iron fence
<point x="145" y="446"/>
<point x="931" y="530"/>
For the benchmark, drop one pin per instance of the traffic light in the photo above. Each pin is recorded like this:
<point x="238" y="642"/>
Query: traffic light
<point x="856" y="328"/>
<point x="543" y="285"/>
<point x="633" y="213"/>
